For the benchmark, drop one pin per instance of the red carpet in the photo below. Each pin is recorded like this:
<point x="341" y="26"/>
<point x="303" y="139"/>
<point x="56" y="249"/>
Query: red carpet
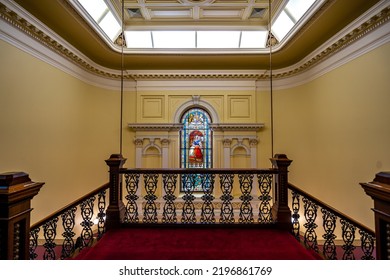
<point x="197" y="243"/>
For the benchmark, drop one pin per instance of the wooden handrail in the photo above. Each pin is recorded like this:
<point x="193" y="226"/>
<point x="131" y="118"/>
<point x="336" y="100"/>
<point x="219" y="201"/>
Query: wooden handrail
<point x="69" y="206"/>
<point x="198" y="171"/>
<point x="331" y="209"/>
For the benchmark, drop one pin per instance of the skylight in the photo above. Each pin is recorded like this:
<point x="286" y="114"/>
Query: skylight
<point x="253" y="39"/>
<point x="290" y="15"/>
<point x="101" y="14"/>
<point x="195" y="39"/>
<point x="218" y="39"/>
<point x="174" y="39"/>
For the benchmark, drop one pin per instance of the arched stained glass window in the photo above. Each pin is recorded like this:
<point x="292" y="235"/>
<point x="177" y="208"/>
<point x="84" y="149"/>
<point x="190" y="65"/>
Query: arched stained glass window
<point x="196" y="141"/>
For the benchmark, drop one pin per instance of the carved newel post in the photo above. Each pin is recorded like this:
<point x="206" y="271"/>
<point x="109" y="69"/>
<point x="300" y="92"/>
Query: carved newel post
<point x="16" y="193"/>
<point x="280" y="210"/>
<point x="116" y="209"/>
<point x="379" y="190"/>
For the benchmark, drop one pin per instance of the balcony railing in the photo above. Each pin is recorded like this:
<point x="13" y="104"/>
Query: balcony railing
<point x="61" y="234"/>
<point x="356" y="241"/>
<point x="172" y="196"/>
<point x="244" y="196"/>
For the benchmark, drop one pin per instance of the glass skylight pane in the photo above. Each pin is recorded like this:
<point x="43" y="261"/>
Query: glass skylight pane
<point x="282" y="25"/>
<point x="253" y="39"/>
<point x="96" y="8"/>
<point x="138" y="39"/>
<point x="218" y="39"/>
<point x="174" y="39"/>
<point x="297" y="8"/>
<point x="110" y="26"/>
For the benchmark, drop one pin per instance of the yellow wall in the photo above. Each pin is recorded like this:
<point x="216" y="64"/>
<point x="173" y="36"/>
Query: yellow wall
<point x="263" y="110"/>
<point x="336" y="129"/>
<point x="54" y="127"/>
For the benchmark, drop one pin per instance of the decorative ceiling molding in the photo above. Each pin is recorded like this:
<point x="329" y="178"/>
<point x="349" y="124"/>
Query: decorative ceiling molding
<point x="16" y="17"/>
<point x="337" y="45"/>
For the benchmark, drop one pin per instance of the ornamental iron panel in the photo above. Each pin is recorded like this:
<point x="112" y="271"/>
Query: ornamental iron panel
<point x="131" y="212"/>
<point x="227" y="214"/>
<point x="169" y="210"/>
<point x="265" y="186"/>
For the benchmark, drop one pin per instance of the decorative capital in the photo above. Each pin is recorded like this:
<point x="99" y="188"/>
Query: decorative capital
<point x="226" y="142"/>
<point x="165" y="142"/>
<point x="139" y="142"/>
<point x="253" y="142"/>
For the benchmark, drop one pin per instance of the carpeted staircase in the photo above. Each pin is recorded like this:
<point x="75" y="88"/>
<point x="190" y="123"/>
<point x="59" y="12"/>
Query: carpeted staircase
<point x="197" y="243"/>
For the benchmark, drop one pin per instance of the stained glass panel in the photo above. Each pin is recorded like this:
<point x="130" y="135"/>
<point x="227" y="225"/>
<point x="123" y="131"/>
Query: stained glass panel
<point x="196" y="143"/>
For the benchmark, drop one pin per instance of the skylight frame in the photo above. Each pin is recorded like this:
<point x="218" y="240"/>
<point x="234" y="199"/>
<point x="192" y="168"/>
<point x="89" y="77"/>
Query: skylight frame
<point x="94" y="20"/>
<point x="110" y="40"/>
<point x="193" y="39"/>
<point x="285" y="13"/>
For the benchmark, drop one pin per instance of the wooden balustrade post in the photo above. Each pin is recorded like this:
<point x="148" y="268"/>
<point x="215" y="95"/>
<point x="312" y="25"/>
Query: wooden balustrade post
<point x="280" y="210"/>
<point x="16" y="193"/>
<point x="116" y="209"/>
<point x="379" y="190"/>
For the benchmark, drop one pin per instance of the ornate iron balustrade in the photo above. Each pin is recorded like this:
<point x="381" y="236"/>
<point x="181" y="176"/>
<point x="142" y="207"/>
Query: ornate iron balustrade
<point x="358" y="241"/>
<point x="89" y="211"/>
<point x="228" y="196"/>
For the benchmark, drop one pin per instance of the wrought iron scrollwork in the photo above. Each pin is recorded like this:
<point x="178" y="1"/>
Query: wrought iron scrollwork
<point x="329" y="223"/>
<point x="295" y="215"/>
<point x="227" y="214"/>
<point x="310" y="211"/>
<point x="131" y="213"/>
<point x="33" y="243"/>
<point x="169" y="211"/>
<point x="188" y="214"/>
<point x="87" y="223"/>
<point x="348" y="232"/>
<point x="367" y="244"/>
<point x="246" y="210"/>
<point x="150" y="209"/>
<point x="49" y="233"/>
<point x="68" y="223"/>
<point x="101" y="216"/>
<point x="208" y="215"/>
<point x="265" y="186"/>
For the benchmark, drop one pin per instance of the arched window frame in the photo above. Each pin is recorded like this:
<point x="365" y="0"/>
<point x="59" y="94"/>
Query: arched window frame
<point x="196" y="140"/>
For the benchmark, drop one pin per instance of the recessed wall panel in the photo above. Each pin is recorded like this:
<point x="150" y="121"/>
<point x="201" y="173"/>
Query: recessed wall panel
<point x="239" y="107"/>
<point x="152" y="107"/>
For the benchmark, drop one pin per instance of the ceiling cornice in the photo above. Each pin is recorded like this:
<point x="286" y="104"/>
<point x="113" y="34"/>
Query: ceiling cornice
<point x="21" y="20"/>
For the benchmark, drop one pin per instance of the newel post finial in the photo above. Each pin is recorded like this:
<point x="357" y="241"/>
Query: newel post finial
<point x="16" y="192"/>
<point x="379" y="191"/>
<point x="116" y="208"/>
<point x="280" y="210"/>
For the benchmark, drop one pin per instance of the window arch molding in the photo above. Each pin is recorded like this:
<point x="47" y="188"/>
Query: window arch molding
<point x="196" y="103"/>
